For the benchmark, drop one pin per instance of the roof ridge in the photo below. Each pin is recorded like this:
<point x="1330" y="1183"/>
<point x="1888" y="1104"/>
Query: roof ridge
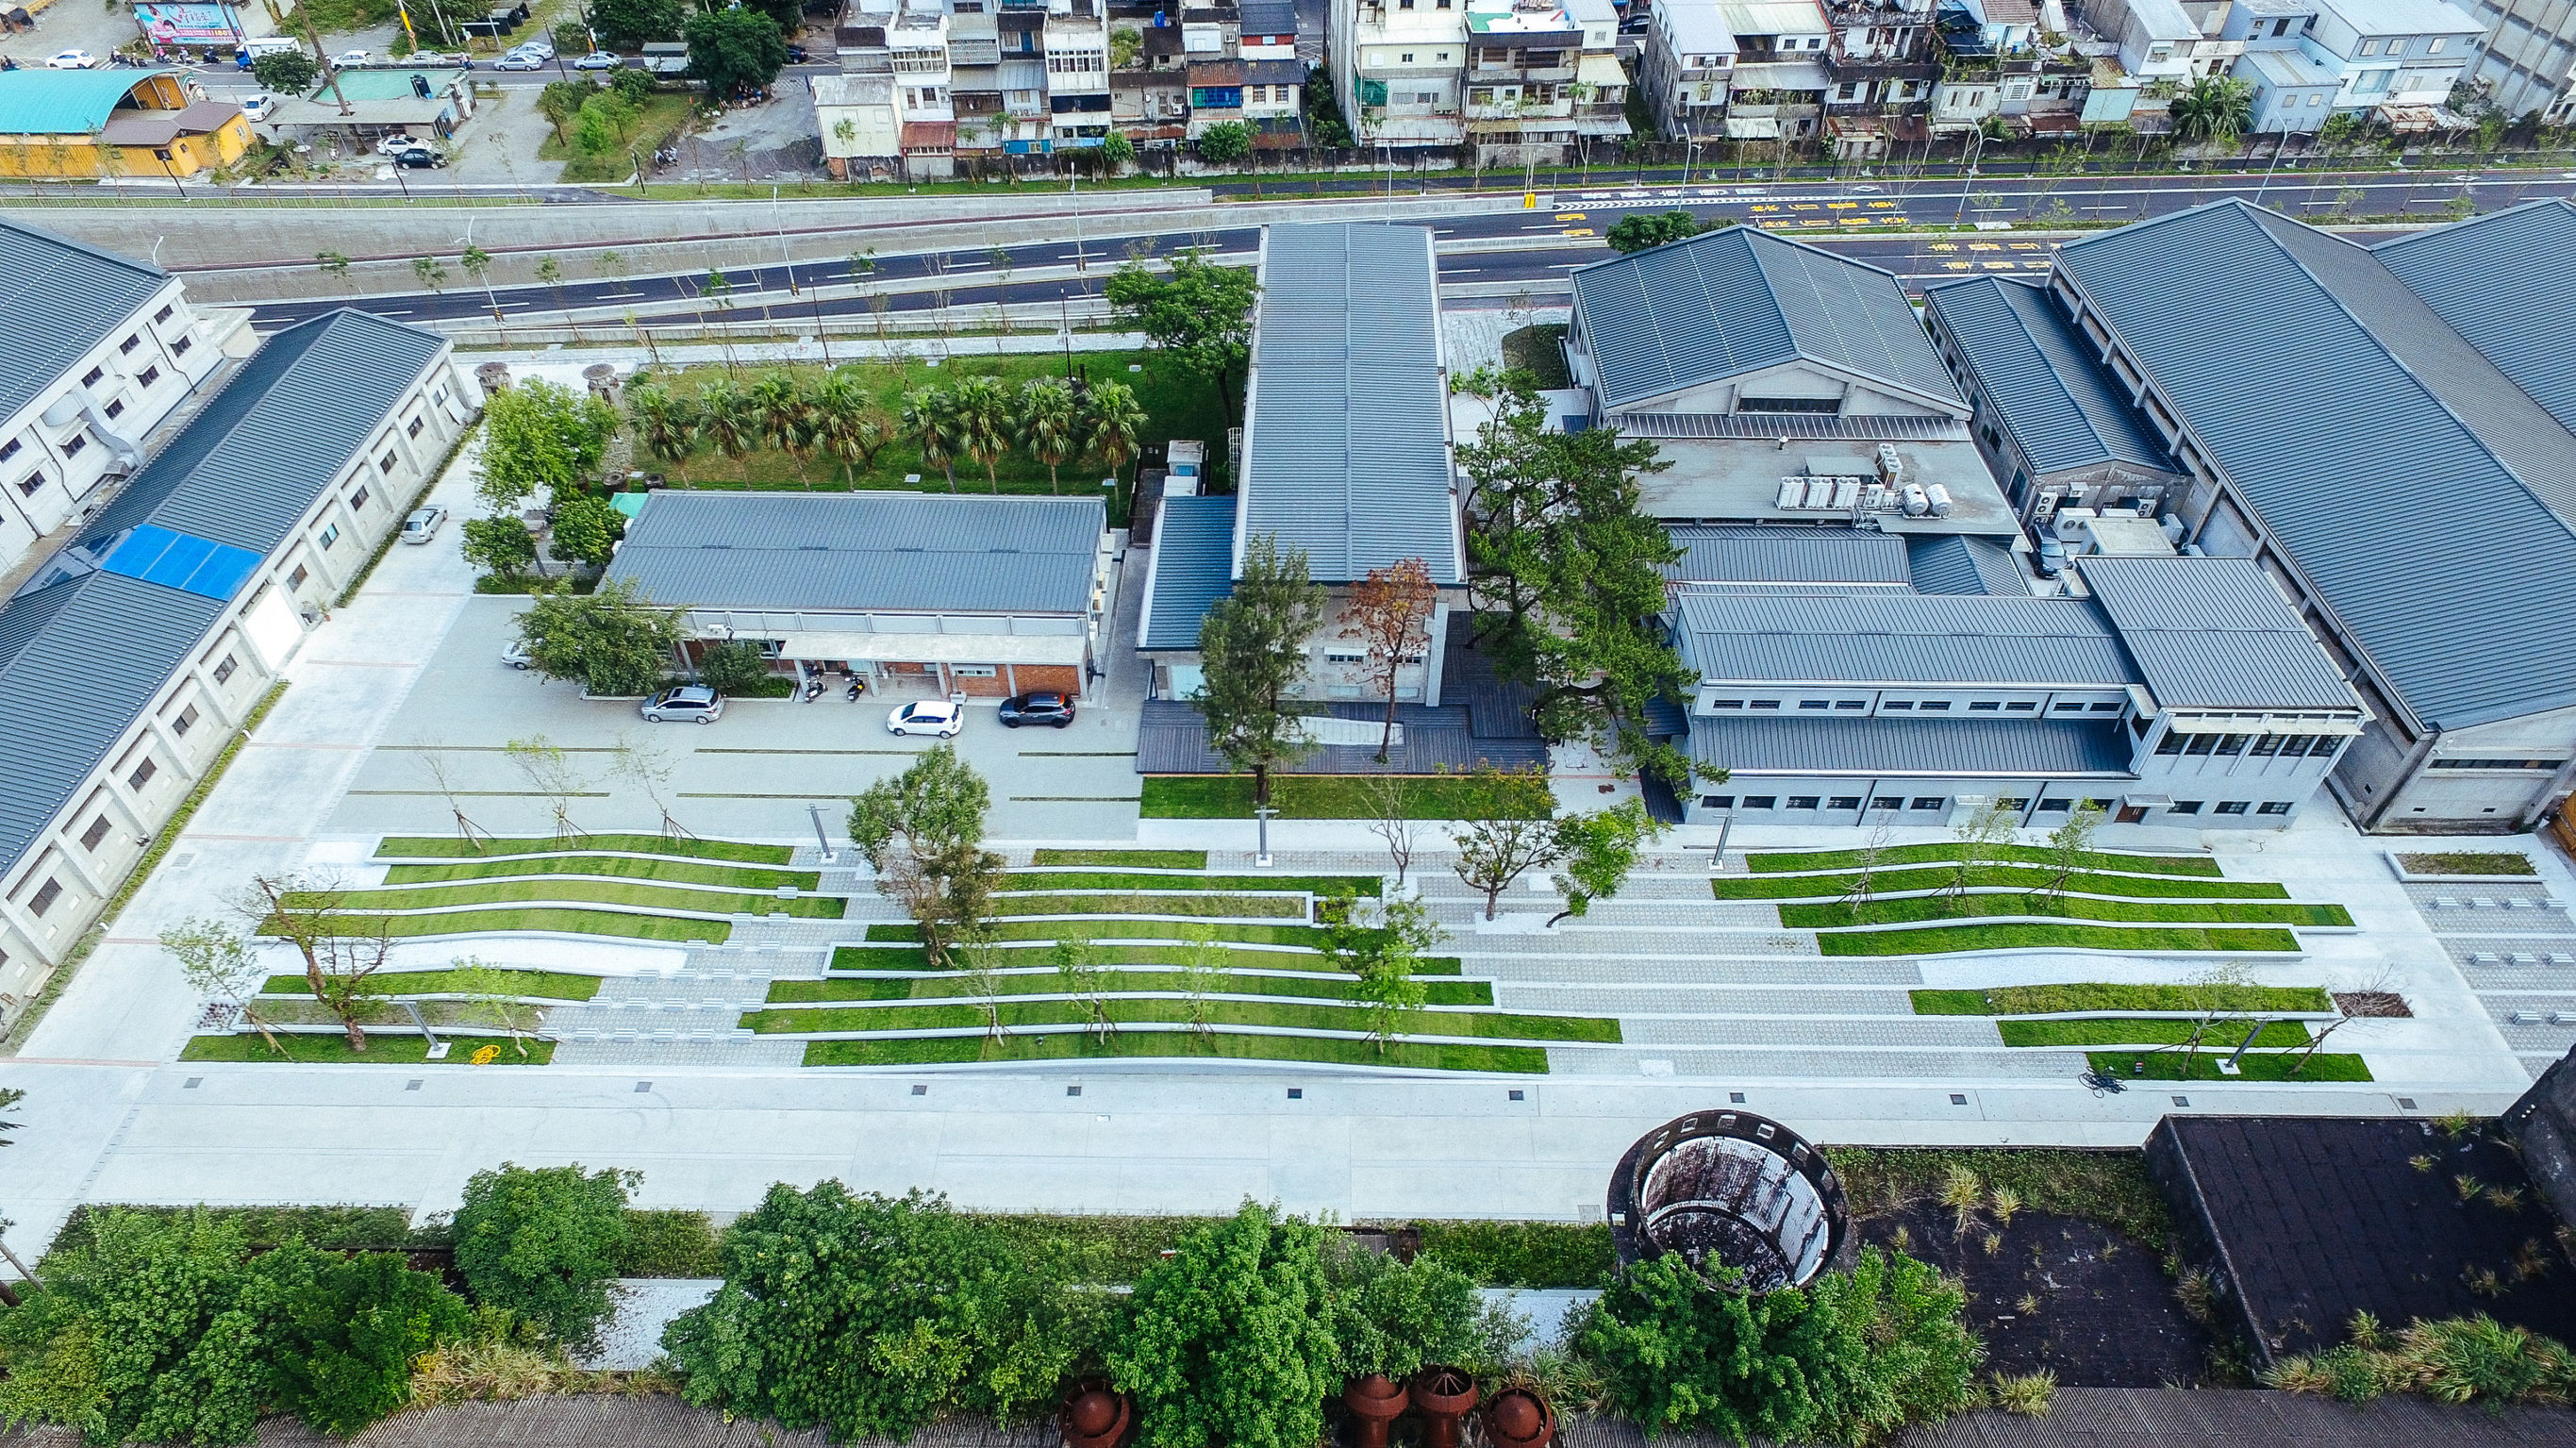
<point x="57" y="238"/>
<point x="2044" y="298"/>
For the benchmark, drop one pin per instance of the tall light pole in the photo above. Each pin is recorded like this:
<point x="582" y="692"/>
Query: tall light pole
<point x="1977" y="145"/>
<point x="1262" y="814"/>
<point x="822" y="838"/>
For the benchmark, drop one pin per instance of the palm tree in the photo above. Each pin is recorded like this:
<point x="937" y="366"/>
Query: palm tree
<point x="667" y="426"/>
<point x="930" y="419"/>
<point x="983" y="413"/>
<point x="1050" y="425"/>
<point x="846" y="422"/>
<point x="1113" y="424"/>
<point x="2216" y="109"/>
<point x="785" y="415"/>
<point x="728" y="419"/>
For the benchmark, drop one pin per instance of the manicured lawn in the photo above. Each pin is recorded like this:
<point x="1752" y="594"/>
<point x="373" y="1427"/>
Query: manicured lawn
<point x="1045" y="982"/>
<point x="1295" y="796"/>
<point x="2153" y="1031"/>
<point x="887" y="957"/>
<point x="1285" y="907"/>
<point x="2278" y="1066"/>
<point x="1130" y="880"/>
<point x="612" y="867"/>
<point x="2038" y="855"/>
<point x="576" y="890"/>
<point x="1948" y="939"/>
<point x="2072" y="907"/>
<point x="448" y="847"/>
<point x="2042" y="1000"/>
<point x="567" y="921"/>
<point x="313" y="1049"/>
<point x="2009" y="877"/>
<point x="552" y="985"/>
<point x="2469" y="862"/>
<point x="1279" y="1015"/>
<point x="1124" y="930"/>
<point x="1078" y="1046"/>
<point x="1130" y="859"/>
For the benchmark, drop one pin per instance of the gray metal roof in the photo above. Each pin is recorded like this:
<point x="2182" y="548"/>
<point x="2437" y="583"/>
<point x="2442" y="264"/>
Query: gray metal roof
<point x="2504" y="282"/>
<point x="1959" y="563"/>
<point x="2040" y="378"/>
<point x="1884" y="748"/>
<point x="1193" y="568"/>
<point x="1269" y="17"/>
<point x="1786" y="556"/>
<point x="2411" y="482"/>
<point x="2215" y="632"/>
<point x="1733" y="301"/>
<point x="68" y="298"/>
<point x="1346" y="436"/>
<point x="905" y="552"/>
<point x="1901" y="639"/>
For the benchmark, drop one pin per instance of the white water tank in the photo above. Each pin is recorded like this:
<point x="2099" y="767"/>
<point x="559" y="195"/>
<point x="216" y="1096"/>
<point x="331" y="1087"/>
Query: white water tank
<point x="1917" y="502"/>
<point x="1940" y="497"/>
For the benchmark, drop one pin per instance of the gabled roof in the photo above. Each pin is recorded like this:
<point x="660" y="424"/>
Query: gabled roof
<point x="2042" y="379"/>
<point x="2412" y="483"/>
<point x="1346" y="433"/>
<point x="1734" y="301"/>
<point x="2214" y="633"/>
<point x="905" y="552"/>
<point x="1787" y="556"/>
<point x="63" y="102"/>
<point x="1193" y="567"/>
<point x="1269" y="17"/>
<point x="1901" y="639"/>
<point x="63" y="299"/>
<point x="2505" y="282"/>
<point x="1962" y="563"/>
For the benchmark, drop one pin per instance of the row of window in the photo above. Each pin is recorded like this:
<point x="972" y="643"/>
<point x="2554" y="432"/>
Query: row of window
<point x="2263" y="746"/>
<point x="1885" y="803"/>
<point x="1928" y="706"/>
<point x="2542" y="764"/>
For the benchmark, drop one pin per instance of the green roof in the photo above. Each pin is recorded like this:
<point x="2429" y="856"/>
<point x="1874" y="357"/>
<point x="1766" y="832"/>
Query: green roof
<point x="382" y="85"/>
<point x="63" y="102"/>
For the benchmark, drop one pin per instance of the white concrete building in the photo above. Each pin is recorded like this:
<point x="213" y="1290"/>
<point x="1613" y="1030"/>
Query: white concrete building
<point x="861" y="125"/>
<point x="1686" y="68"/>
<point x="1398" y="68"/>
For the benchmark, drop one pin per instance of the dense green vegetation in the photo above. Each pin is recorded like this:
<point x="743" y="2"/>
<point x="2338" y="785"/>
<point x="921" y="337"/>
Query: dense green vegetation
<point x="448" y="847"/>
<point x="2151" y="1031"/>
<point x="2071" y="907"/>
<point x="1284" y="907"/>
<point x="2034" y="854"/>
<point x="2045" y="1000"/>
<point x="1298" y="797"/>
<point x="675" y="928"/>
<point x="1223" y="1045"/>
<point x="1524" y="1254"/>
<point x="2169" y="1065"/>
<point x="2454" y="1360"/>
<point x="2109" y="1187"/>
<point x="307" y="1048"/>
<point x="1991" y="877"/>
<point x="1127" y="859"/>
<point x="1279" y="1015"/>
<point x="2469" y="862"/>
<point x="1046" y="982"/>
<point x="616" y="867"/>
<point x="1938" y="940"/>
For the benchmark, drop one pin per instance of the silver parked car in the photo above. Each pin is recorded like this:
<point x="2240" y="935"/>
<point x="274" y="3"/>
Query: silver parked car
<point x="689" y="701"/>
<point x="423" y="524"/>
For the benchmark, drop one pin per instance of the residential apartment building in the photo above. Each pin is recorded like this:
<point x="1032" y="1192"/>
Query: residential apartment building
<point x="1399" y="72"/>
<point x="906" y="43"/>
<point x="1998" y="62"/>
<point x="861" y="123"/>
<point x="1686" y="69"/>
<point x="1879" y="74"/>
<point x="135" y="653"/>
<point x="1778" y="91"/>
<point x="2309" y="59"/>
<point x="2527" y="58"/>
<point x="978" y="78"/>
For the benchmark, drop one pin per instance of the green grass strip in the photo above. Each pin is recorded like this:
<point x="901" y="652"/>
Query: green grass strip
<point x="309" y="1049"/>
<point x="442" y="847"/>
<point x="894" y="957"/>
<point x="2069" y="907"/>
<point x="2046" y="1000"/>
<point x="1248" y="934"/>
<point x="1278" y="1015"/>
<point x="1225" y="1046"/>
<point x="1947" y="939"/>
<point x="609" y="867"/>
<point x="539" y="917"/>
<point x="2035" y="854"/>
<point x="550" y="985"/>
<point x="1299" y="797"/>
<point x="2153" y="1031"/>
<point x="960" y="987"/>
<point x="2280" y="1066"/>
<point x="1140" y="859"/>
<point x="2009" y="877"/>
<point x="574" y="890"/>
<point x="1116" y="880"/>
<point x="1285" y="907"/>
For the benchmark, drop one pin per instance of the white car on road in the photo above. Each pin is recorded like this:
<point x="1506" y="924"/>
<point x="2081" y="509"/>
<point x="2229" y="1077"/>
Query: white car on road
<point x="597" y="60"/>
<point x="256" y="108"/>
<point x="924" y="717"/>
<point x="353" y="60"/>
<point x="518" y="60"/>
<point x="72" y="60"/>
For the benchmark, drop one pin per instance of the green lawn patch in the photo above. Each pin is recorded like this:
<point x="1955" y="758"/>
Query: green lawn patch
<point x="1523" y="1254"/>
<point x="309" y="1049"/>
<point x="2150" y="1031"/>
<point x="2257" y="1066"/>
<point x="1539" y="350"/>
<point x="1296" y="797"/>
<point x="663" y="117"/>
<point x="1128" y="880"/>
<point x="2005" y="877"/>
<point x="610" y="867"/>
<point x="551" y="985"/>
<point x="890" y="957"/>
<point x="2048" y="1000"/>
<point x="1248" y="934"/>
<point x="960" y="987"/>
<point x="2035" y="854"/>
<point x="1288" y="907"/>
<point x="1128" y="1045"/>
<point x="444" y="847"/>
<point x="2109" y="1187"/>
<point x="1136" y="859"/>
<point x="573" y="889"/>
<point x="1938" y="940"/>
<point x="2071" y="907"/>
<point x="565" y="920"/>
<point x="2469" y="862"/>
<point x="1278" y="1015"/>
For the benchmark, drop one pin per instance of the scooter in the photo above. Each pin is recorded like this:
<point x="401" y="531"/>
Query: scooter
<point x="858" y="686"/>
<point x="813" y="688"/>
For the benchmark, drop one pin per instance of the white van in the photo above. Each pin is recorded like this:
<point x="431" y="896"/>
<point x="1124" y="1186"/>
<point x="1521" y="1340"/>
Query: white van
<point x="271" y="45"/>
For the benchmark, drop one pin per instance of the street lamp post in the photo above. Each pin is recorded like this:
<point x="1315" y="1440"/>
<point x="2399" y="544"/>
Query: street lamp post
<point x="1977" y="149"/>
<point x="822" y="838"/>
<point x="1261" y="856"/>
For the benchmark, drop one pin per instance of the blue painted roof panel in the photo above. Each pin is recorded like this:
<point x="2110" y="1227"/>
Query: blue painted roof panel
<point x="1193" y="568"/>
<point x="176" y="560"/>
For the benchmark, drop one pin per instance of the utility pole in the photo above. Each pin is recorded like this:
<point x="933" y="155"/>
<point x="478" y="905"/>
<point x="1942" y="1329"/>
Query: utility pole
<point x="330" y="72"/>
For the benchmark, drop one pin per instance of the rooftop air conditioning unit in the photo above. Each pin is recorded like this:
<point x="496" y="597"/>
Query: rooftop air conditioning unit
<point x="1890" y="466"/>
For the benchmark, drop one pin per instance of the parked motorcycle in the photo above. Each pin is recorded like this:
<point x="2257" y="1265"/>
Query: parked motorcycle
<point x="813" y="688"/>
<point x="858" y="686"/>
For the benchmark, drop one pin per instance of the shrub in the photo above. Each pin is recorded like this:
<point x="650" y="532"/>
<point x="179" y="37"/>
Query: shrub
<point x="2454" y="1360"/>
<point x="1524" y="1254"/>
<point x="1398" y="1318"/>
<point x="544" y="1243"/>
<point x="1229" y="1342"/>
<point x="734" y="668"/>
<point x="668" y="1244"/>
<point x="345" y="1350"/>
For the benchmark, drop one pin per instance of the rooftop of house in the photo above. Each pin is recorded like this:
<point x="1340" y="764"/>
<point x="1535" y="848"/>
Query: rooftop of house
<point x="2498" y="280"/>
<point x="1192" y="567"/>
<point x="2042" y="377"/>
<point x="1697" y="27"/>
<point x="2404" y="17"/>
<point x="64" y="102"/>
<point x="68" y="298"/>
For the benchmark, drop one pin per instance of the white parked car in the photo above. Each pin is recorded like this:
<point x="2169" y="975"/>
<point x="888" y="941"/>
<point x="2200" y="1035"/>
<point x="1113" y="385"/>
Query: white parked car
<point x="542" y="47"/>
<point x="352" y="59"/>
<point x="72" y="60"/>
<point x="256" y="108"/>
<point x="689" y="701"/>
<point x="518" y="60"/>
<point x="597" y="60"/>
<point x="942" y="719"/>
<point x="395" y="144"/>
<point x="517" y="655"/>
<point x="423" y="525"/>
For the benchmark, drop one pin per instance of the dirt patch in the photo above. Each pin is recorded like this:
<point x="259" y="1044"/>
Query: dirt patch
<point x="2372" y="1003"/>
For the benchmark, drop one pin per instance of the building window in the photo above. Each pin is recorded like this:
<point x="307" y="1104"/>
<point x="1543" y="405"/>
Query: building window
<point x="224" y="670"/>
<point x="1815" y="703"/>
<point x="180" y="347"/>
<point x="2065" y="708"/>
<point x="1802" y="801"/>
<point x="1929" y="802"/>
<point x="126" y="347"/>
<point x="1898" y="704"/>
<point x="296" y="579"/>
<point x="2021" y="706"/>
<point x="96" y="832"/>
<point x="116" y="409"/>
<point x="1726" y="703"/>
<point x="186" y="721"/>
<point x="330" y="536"/>
<point x="2011" y="803"/>
<point x="44" y="898"/>
<point x="2497" y="763"/>
<point x="1766" y="703"/>
<point x="412" y="428"/>
<point x="9" y="449"/>
<point x="2266" y="745"/>
<point x="2231" y="806"/>
<point x="1760" y="801"/>
<point x="1717" y="801"/>
<point x="2273" y="807"/>
<point x="2185" y="806"/>
<point x="2435" y="48"/>
<point x="1846" y="801"/>
<point x="76" y="446"/>
<point x="1983" y="706"/>
<point x="150" y="376"/>
<point x="2231" y="744"/>
<point x="90" y="378"/>
<point x="142" y="775"/>
<point x="1934" y="706"/>
<point x="2200" y="743"/>
<point x="2171" y="744"/>
<point x="357" y="500"/>
<point x="162" y="315"/>
<point x="30" y="483"/>
<point x="2103" y="708"/>
<point x="385" y="464"/>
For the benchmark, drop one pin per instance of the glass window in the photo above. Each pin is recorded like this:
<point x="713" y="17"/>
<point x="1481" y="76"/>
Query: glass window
<point x="2055" y="806"/>
<point x="1898" y="704"/>
<point x="1815" y="703"/>
<point x="94" y="835"/>
<point x="2185" y="806"/>
<point x="296" y="579"/>
<point x="1929" y="801"/>
<point x="1760" y="801"/>
<point x="2020" y="706"/>
<point x="2273" y="807"/>
<point x="1802" y="801"/>
<point x="1851" y="703"/>
<point x="1717" y="801"/>
<point x="1983" y="706"/>
<point x="186" y="721"/>
<point x="1766" y="703"/>
<point x="2231" y="806"/>
<point x="2111" y="708"/>
<point x="180" y="347"/>
<point x="44" y="898"/>
<point x="1935" y="706"/>
<point x="2065" y="708"/>
<point x="2231" y="744"/>
<point x="357" y="500"/>
<point x="1726" y="703"/>
<point x="2200" y="743"/>
<point x="2266" y="745"/>
<point x="330" y="536"/>
<point x="1887" y="801"/>
<point x="126" y="347"/>
<point x="150" y="376"/>
<point x="142" y="774"/>
<point x="224" y="670"/>
<point x="162" y="315"/>
<point x="1846" y="801"/>
<point x="90" y="378"/>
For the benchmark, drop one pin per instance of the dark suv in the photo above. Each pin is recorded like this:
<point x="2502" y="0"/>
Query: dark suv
<point x="1052" y="709"/>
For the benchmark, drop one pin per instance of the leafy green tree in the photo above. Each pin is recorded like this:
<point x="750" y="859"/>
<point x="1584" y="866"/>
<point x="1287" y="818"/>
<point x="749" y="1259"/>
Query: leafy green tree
<point x="586" y="530"/>
<point x="635" y="87"/>
<point x="1596" y="851"/>
<point x="285" y="72"/>
<point x="499" y="546"/>
<point x="872" y="1316"/>
<point x="1382" y="942"/>
<point x="562" y="100"/>
<point x="1505" y="829"/>
<point x="432" y="273"/>
<point x="605" y="122"/>
<point x="1252" y="647"/>
<point x="1113" y="424"/>
<point x="1116" y="151"/>
<point x="1644" y="230"/>
<point x="1226" y="143"/>
<point x="666" y="424"/>
<point x="543" y="1242"/>
<point x="1398" y="1318"/>
<point x="615" y="642"/>
<point x="350" y="1333"/>
<point x="1198" y="311"/>
<point x="923" y="833"/>
<point x="734" y="667"/>
<point x="735" y="51"/>
<point x="848" y="424"/>
<point x="1050" y="425"/>
<point x="539" y="435"/>
<point x="930" y="420"/>
<point x="332" y="264"/>
<point x="2216" y="109"/>
<point x="728" y="419"/>
<point x="981" y="416"/>
<point x="631" y="24"/>
<point x="1230" y="1341"/>
<point x="785" y="413"/>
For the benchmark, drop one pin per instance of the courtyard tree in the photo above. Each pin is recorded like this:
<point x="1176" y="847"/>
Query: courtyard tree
<point x="1227" y="143"/>
<point x="1252" y="648"/>
<point x="1506" y="828"/>
<point x="553" y="777"/>
<point x="847" y="422"/>
<point x="1198" y="311"/>
<point x="1382" y="942"/>
<point x="1597" y="852"/>
<point x="543" y="1243"/>
<point x="785" y="415"/>
<point x="585" y="531"/>
<point x="222" y="966"/>
<point x="930" y="421"/>
<point x="2070" y="849"/>
<point x="615" y="642"/>
<point x="285" y="72"/>
<point x="735" y="52"/>
<point x="501" y="546"/>
<point x="1390" y="799"/>
<point x="1977" y="840"/>
<point x="1645" y="230"/>
<point x="1082" y="972"/>
<point x="561" y="101"/>
<point x="982" y="416"/>
<point x="340" y="950"/>
<point x="430" y="270"/>
<point x="541" y="435"/>
<point x="729" y="420"/>
<point x="1050" y="425"/>
<point x="492" y="998"/>
<point x="665" y="424"/>
<point x="1390" y="610"/>
<point x="1113" y="424"/>
<point x="648" y="766"/>
<point x="923" y="833"/>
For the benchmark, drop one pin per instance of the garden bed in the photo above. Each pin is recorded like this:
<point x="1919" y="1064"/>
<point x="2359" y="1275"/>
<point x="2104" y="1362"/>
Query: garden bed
<point x="611" y="867"/>
<point x="614" y="923"/>
<point x="2045" y="1000"/>
<point x="2286" y="1067"/>
<point x="313" y="1049"/>
<point x="1157" y="1010"/>
<point x="1126" y="859"/>
<point x="1130" y="880"/>
<point x="1136" y="1045"/>
<point x="1914" y="908"/>
<point x="1886" y="882"/>
<point x="1301" y="797"/>
<point x="552" y="985"/>
<point x="889" y="957"/>
<point x="2200" y="865"/>
<point x="1042" y="981"/>
<point x="2151" y="1031"/>
<point x="576" y="890"/>
<point x="444" y="847"/>
<point x="1093" y="927"/>
<point x="2490" y="864"/>
<point x="1285" y="907"/>
<point x="1945" y="940"/>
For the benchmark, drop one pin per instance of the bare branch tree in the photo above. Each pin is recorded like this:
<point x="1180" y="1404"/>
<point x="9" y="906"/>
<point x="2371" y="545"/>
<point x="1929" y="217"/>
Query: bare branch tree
<point x="1080" y="966"/>
<point x="553" y="776"/>
<point x="492" y="996"/>
<point x="466" y="829"/>
<point x="1202" y="971"/>
<point x="1390" y="610"/>
<point x="1390" y="801"/>
<point x="221" y="965"/>
<point x="650" y="768"/>
<point x="983" y="977"/>
<point x="1865" y="883"/>
<point x="313" y="916"/>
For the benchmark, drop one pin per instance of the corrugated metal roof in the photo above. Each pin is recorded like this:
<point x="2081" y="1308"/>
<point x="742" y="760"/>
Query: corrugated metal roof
<point x="1958" y="563"/>
<point x="1733" y="301"/>
<point x="63" y="300"/>
<point x="902" y="552"/>
<point x="2400" y="506"/>
<point x="1786" y="556"/>
<point x="2504" y="282"/>
<point x="1772" y="17"/>
<point x="2214" y="632"/>
<point x="1883" y="748"/>
<point x="63" y="102"/>
<point x="1269" y="17"/>
<point x="1901" y="639"/>
<point x="1346" y="438"/>
<point x="2045" y="384"/>
<point x="1193" y="568"/>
